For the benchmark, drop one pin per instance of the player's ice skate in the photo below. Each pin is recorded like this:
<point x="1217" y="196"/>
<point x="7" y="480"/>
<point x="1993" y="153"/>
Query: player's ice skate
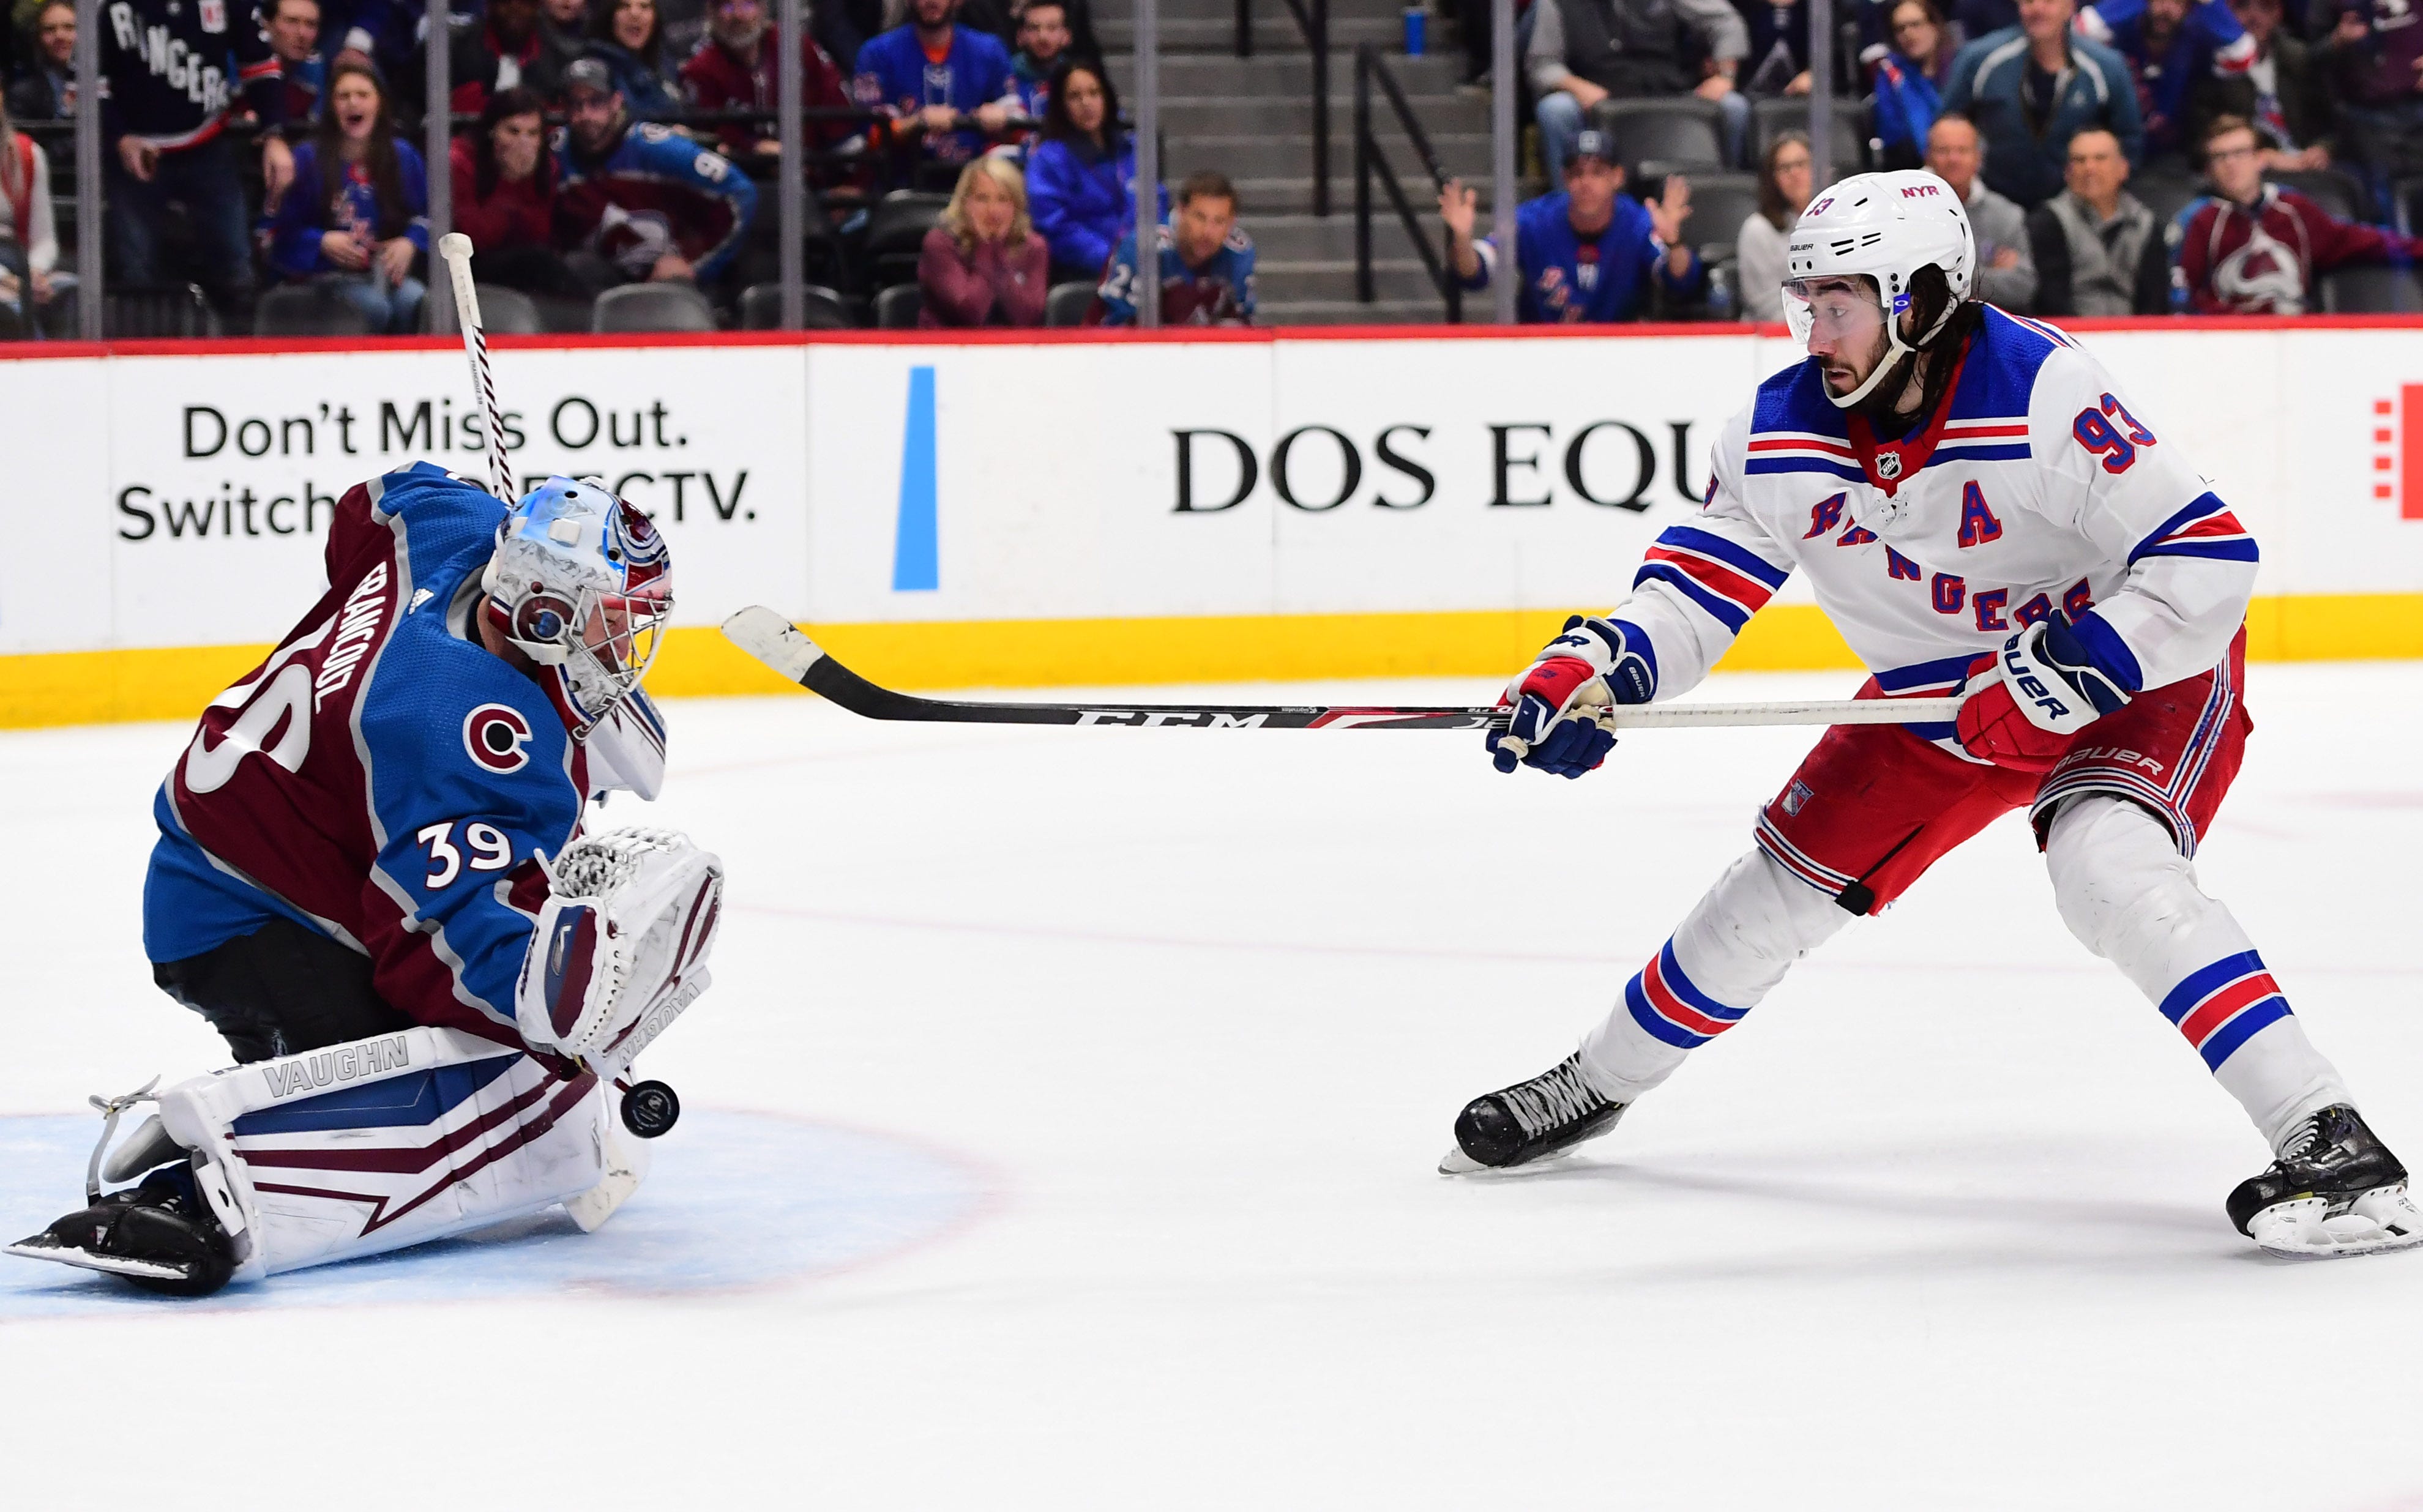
<point x="1529" y="1122"/>
<point x="2336" y="1191"/>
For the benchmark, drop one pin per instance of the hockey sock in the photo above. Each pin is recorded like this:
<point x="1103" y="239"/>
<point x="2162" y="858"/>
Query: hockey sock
<point x="1734" y="946"/>
<point x="2132" y="898"/>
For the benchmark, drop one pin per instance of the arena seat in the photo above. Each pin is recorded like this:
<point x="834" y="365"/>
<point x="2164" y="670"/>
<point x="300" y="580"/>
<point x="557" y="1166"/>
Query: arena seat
<point x="307" y="309"/>
<point x="652" y="307"/>
<point x="508" y="312"/>
<point x="820" y="309"/>
<point x="1770" y="119"/>
<point x="2377" y="289"/>
<point x="896" y="307"/>
<point x="2335" y="191"/>
<point x="896" y="228"/>
<point x="1681" y="131"/>
<point x="1066" y="304"/>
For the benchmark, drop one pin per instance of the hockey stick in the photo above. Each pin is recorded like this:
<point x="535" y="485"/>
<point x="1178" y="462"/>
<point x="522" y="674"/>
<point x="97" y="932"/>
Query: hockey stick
<point x="771" y="638"/>
<point x="455" y="248"/>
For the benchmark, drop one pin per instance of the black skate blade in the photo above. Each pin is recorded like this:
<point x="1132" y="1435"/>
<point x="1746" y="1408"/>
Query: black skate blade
<point x="44" y="1247"/>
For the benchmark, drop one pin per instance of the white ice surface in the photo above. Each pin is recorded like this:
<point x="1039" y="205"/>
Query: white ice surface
<point x="1939" y="1226"/>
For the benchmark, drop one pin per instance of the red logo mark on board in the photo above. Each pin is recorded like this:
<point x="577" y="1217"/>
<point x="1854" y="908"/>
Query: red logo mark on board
<point x="495" y="735"/>
<point x="2398" y="451"/>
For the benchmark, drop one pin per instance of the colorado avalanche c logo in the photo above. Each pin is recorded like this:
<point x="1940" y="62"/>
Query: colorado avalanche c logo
<point x="495" y="735"/>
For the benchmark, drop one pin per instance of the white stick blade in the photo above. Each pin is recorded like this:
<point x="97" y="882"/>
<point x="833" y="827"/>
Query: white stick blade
<point x="772" y="639"/>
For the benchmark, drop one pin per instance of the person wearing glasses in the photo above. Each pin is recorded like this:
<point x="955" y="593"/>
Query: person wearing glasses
<point x="2254" y="249"/>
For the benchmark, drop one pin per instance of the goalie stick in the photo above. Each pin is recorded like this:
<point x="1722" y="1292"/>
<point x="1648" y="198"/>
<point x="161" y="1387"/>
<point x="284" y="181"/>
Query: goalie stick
<point x="455" y="248"/>
<point x="773" y="639"/>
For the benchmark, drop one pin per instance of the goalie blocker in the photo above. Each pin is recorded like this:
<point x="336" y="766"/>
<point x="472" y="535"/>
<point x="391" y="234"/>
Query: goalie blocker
<point x="360" y="1149"/>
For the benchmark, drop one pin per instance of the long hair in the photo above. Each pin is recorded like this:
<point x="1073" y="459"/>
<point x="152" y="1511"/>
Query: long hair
<point x="1006" y="177"/>
<point x="1780" y="212"/>
<point x="501" y="106"/>
<point x="11" y="188"/>
<point x="379" y="159"/>
<point x="1058" y="127"/>
<point x="601" y="30"/>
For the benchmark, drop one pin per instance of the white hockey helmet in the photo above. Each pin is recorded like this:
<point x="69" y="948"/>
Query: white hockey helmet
<point x="1881" y="228"/>
<point x="581" y="583"/>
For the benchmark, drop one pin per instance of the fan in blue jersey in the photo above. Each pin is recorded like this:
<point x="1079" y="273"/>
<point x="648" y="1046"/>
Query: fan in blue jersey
<point x="372" y="879"/>
<point x="2190" y="64"/>
<point x="1205" y="262"/>
<point x="937" y="80"/>
<point x="644" y="202"/>
<point x="1587" y="254"/>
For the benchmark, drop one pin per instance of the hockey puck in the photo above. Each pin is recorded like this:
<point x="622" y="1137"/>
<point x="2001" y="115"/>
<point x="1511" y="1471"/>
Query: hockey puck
<point x="650" y="1109"/>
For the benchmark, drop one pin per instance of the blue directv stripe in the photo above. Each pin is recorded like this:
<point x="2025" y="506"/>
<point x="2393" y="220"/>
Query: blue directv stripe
<point x="1741" y="558"/>
<point x="1672" y="971"/>
<point x="2241" y="1028"/>
<point x="2206" y="504"/>
<point x="412" y="1100"/>
<point x="1658" y="1026"/>
<point x="1926" y="674"/>
<point x="2243" y="549"/>
<point x="2110" y="654"/>
<point x="2200" y="984"/>
<point x="1800" y="465"/>
<point x="1723" y="610"/>
<point x="915" y="568"/>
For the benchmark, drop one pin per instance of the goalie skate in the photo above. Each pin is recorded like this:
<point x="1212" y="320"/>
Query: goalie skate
<point x="2335" y="1191"/>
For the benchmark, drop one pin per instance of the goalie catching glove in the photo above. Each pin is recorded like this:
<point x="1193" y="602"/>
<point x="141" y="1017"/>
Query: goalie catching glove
<point x="1558" y="720"/>
<point x="621" y="947"/>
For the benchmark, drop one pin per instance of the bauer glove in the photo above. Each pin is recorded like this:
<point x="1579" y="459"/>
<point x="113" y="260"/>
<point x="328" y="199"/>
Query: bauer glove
<point x="1557" y="710"/>
<point x="2041" y="691"/>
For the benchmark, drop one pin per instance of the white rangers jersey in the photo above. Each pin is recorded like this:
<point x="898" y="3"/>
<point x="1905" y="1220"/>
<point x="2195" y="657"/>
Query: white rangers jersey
<point x="2031" y="489"/>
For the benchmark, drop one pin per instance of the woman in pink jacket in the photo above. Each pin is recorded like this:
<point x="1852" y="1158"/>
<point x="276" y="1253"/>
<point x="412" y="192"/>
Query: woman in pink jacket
<point x="984" y="265"/>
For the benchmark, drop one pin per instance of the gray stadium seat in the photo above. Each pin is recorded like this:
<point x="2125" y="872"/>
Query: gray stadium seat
<point x="508" y="311"/>
<point x="1683" y="131"/>
<point x="896" y="307"/>
<point x="1770" y="119"/>
<point x="895" y="229"/>
<point x="2335" y="191"/>
<point x="307" y="309"/>
<point x="2164" y="194"/>
<point x="139" y="314"/>
<point x="1719" y="201"/>
<point x="652" y="307"/>
<point x="2407" y="207"/>
<point x="2376" y="289"/>
<point x="1066" y="304"/>
<point x="820" y="309"/>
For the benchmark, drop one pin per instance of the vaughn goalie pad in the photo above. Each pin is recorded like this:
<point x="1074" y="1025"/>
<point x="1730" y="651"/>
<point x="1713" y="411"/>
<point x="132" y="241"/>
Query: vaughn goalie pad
<point x="621" y="947"/>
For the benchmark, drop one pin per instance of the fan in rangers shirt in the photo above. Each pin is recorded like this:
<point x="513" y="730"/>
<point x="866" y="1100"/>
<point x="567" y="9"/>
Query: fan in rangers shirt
<point x="363" y="876"/>
<point x="1980" y="510"/>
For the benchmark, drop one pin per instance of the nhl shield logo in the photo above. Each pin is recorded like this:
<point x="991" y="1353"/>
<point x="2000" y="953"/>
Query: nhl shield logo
<point x="1888" y="465"/>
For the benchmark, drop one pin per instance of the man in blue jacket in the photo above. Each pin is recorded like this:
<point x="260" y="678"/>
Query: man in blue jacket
<point x="2033" y="87"/>
<point x="935" y="79"/>
<point x="1589" y="252"/>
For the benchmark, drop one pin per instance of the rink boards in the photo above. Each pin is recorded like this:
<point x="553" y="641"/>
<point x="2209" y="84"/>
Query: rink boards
<point x="1069" y="508"/>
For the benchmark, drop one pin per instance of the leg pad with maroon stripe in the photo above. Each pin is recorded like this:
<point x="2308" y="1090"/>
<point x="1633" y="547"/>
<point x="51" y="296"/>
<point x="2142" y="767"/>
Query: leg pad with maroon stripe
<point x="382" y="1142"/>
<point x="1734" y="946"/>
<point x="2129" y="892"/>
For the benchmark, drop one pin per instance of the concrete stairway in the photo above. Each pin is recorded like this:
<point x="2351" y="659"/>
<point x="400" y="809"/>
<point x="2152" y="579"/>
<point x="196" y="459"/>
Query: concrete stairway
<point x="1252" y="119"/>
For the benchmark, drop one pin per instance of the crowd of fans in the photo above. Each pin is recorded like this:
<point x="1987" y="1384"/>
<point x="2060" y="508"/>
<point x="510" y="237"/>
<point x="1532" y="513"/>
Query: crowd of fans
<point x="596" y="143"/>
<point x="2239" y="119"/>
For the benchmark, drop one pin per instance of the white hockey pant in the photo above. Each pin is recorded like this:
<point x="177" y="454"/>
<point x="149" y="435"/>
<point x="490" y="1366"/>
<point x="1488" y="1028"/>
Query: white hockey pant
<point x="2123" y="888"/>
<point x="391" y="1141"/>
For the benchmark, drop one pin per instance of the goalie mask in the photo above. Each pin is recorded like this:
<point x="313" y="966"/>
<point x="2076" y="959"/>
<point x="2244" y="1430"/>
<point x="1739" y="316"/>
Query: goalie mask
<point x="582" y="584"/>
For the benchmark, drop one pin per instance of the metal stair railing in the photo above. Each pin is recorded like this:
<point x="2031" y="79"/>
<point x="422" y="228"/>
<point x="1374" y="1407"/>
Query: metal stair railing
<point x="1371" y="162"/>
<point x="1314" y="23"/>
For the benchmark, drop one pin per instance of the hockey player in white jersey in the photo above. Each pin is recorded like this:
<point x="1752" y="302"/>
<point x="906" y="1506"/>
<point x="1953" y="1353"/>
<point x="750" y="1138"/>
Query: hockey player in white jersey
<point x="1979" y="512"/>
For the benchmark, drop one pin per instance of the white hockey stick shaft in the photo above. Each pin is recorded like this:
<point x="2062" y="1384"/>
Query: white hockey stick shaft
<point x="455" y="248"/>
<point x="1835" y="712"/>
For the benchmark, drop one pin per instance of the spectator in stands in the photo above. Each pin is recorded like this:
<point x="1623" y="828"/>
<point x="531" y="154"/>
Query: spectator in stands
<point x="630" y="36"/>
<point x="387" y="33"/>
<point x="2374" y="60"/>
<point x="984" y="265"/>
<point x="2098" y="251"/>
<point x="1785" y="185"/>
<point x="562" y="36"/>
<point x="683" y="29"/>
<point x="29" y="242"/>
<point x="1908" y="80"/>
<point x="357" y="218"/>
<point x="735" y="70"/>
<point x="2007" y="271"/>
<point x="1081" y="177"/>
<point x="637" y="202"/>
<point x="1206" y="264"/>
<point x="504" y="199"/>
<point x="1777" y="60"/>
<point x="491" y="53"/>
<point x="1585" y="51"/>
<point x="936" y="80"/>
<point x="2293" y="107"/>
<point x="2181" y="80"/>
<point x="2254" y="249"/>
<point x="1589" y="254"/>
<point x="47" y="92"/>
<point x="1042" y="43"/>
<point x="171" y="85"/>
<point x="2030" y="88"/>
<point x="294" y="37"/>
